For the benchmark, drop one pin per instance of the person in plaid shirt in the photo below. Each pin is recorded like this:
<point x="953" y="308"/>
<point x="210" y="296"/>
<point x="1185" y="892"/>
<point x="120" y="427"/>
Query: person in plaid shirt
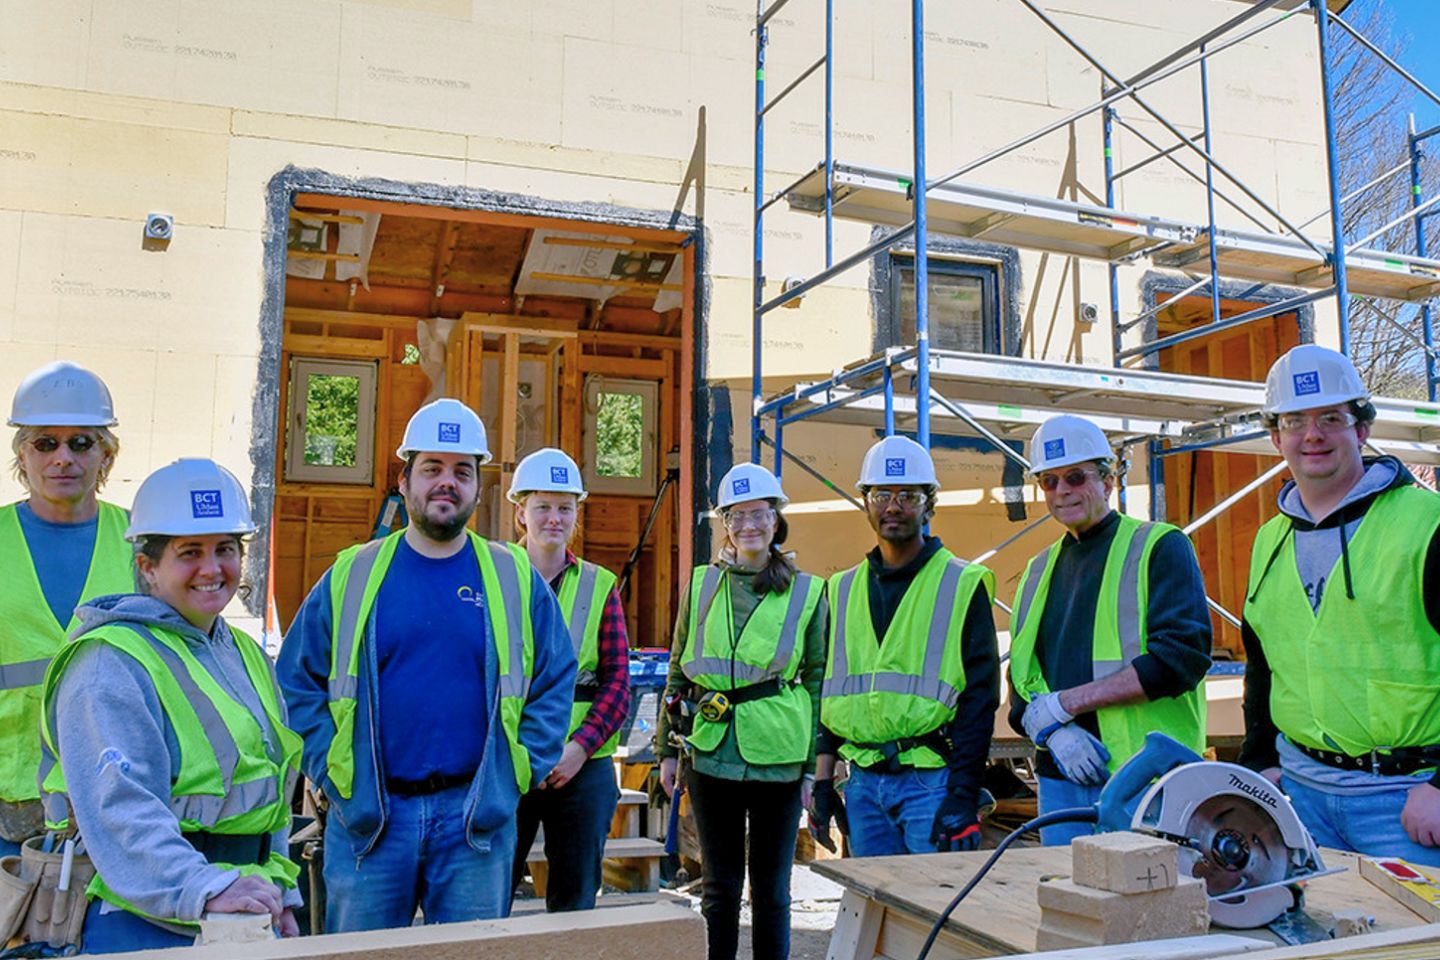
<point x="577" y="800"/>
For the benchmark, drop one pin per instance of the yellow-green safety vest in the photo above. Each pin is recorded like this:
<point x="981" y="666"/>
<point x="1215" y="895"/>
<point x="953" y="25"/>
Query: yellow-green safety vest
<point x="584" y="589"/>
<point x="771" y="646"/>
<point x="1354" y="675"/>
<point x="909" y="685"/>
<point x="30" y="635"/>
<point x="355" y="579"/>
<point x="1120" y="637"/>
<point x="227" y="783"/>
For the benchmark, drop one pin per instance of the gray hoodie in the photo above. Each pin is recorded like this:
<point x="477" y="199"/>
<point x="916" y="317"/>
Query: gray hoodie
<point x="120" y="752"/>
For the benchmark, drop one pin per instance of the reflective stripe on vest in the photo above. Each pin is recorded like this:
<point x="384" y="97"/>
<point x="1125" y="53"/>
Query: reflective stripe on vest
<point x="744" y="673"/>
<point x="1357" y="674"/>
<point x="30" y="635"/>
<point x="584" y="590"/>
<point x="1119" y="637"/>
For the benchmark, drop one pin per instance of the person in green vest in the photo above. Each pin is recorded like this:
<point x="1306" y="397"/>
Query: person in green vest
<point x="912" y="679"/>
<point x="1342" y="623"/>
<point x="1110" y="637"/>
<point x="170" y="731"/>
<point x="576" y="802"/>
<point x="745" y="673"/>
<point x="59" y="547"/>
<point x="431" y="676"/>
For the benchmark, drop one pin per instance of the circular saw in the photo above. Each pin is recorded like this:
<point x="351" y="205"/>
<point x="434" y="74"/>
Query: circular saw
<point x="1235" y="829"/>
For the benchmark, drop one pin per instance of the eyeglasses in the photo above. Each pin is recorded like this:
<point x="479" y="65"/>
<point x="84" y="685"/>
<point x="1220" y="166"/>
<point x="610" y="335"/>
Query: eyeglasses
<point x="736" y="519"/>
<point x="909" y="499"/>
<point x="1071" y="478"/>
<point x="1331" y="421"/>
<point x="79" y="443"/>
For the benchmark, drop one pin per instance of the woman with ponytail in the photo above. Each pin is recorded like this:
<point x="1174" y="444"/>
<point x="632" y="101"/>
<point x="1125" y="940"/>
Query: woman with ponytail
<point x="743" y="704"/>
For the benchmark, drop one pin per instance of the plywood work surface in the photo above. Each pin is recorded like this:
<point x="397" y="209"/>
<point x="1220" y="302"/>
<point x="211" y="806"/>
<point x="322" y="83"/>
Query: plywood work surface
<point x="1000" y="916"/>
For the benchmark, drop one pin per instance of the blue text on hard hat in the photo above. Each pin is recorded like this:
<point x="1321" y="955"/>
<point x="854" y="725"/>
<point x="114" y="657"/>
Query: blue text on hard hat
<point x="894" y="466"/>
<point x="1307" y="383"/>
<point x="449" y="433"/>
<point x="738" y="487"/>
<point x="205" y="503"/>
<point x="559" y="474"/>
<point x="1054" y="449"/>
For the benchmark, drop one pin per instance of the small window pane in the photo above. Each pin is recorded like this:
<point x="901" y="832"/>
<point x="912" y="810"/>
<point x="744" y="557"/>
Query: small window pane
<point x="332" y="420"/>
<point x="957" y="311"/>
<point x="619" y="435"/>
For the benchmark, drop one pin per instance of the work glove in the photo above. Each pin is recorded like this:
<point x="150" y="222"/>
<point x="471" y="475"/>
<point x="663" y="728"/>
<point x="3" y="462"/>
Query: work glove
<point x="1079" y="755"/>
<point x="957" y="823"/>
<point x="1043" y="717"/>
<point x="826" y="806"/>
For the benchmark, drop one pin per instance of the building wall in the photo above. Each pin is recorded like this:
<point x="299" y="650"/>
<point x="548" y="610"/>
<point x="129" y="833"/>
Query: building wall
<point x="110" y="109"/>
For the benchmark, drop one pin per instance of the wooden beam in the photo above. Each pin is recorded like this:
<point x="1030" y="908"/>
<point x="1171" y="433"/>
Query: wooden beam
<point x="615" y="245"/>
<point x="325" y="217"/>
<point x="623" y="367"/>
<point x="620" y="338"/>
<point x="318" y="255"/>
<point x="509" y="421"/>
<point x="444" y="254"/>
<point x="605" y="281"/>
<point x="309" y="345"/>
<point x="525" y="326"/>
<point x="426" y="211"/>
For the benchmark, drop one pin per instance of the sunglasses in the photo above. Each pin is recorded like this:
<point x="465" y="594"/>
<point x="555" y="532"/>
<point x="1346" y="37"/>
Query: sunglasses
<point x="79" y="443"/>
<point x="1071" y="478"/>
<point x="907" y="499"/>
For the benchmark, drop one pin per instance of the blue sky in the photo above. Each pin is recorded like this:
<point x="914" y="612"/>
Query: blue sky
<point x="1420" y="20"/>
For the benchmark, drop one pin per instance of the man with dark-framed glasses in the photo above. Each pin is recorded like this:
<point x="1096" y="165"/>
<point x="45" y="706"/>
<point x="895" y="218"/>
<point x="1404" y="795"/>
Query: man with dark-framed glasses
<point x="912" y="678"/>
<point x="58" y="547"/>
<point x="1110" y="638"/>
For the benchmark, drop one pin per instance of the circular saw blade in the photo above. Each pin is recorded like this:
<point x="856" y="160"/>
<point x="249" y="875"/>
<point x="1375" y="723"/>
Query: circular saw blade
<point x="1239" y="845"/>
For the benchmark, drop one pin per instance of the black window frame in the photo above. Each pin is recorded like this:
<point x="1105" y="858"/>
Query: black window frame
<point x="887" y="329"/>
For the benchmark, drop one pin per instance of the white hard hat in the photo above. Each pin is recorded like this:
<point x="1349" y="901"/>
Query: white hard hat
<point x="62" y="394"/>
<point x="897" y="461"/>
<point x="1065" y="440"/>
<point x="749" y="481"/>
<point x="1311" y="376"/>
<point x="547" y="470"/>
<point x="445" y="426"/>
<point x="190" y="498"/>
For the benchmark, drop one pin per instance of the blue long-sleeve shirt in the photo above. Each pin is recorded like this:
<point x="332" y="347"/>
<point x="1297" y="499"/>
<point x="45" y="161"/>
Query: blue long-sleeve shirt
<point x="304" y="670"/>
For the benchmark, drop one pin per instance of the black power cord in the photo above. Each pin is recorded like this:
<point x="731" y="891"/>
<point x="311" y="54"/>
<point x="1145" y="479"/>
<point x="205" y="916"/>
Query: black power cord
<point x="1068" y="815"/>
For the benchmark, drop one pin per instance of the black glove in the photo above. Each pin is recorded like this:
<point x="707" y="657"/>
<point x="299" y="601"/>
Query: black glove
<point x="956" y="825"/>
<point x="825" y="806"/>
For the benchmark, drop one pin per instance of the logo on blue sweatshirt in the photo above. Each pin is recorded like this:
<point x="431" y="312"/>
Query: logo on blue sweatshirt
<point x="206" y="503"/>
<point x="1307" y="383"/>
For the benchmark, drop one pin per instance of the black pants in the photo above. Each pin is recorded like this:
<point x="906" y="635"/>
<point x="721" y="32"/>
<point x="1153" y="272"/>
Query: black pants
<point x="721" y="810"/>
<point x="577" y="820"/>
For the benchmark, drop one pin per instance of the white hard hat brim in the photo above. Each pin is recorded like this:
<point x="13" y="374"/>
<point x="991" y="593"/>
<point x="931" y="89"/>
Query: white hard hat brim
<point x="64" y="420"/>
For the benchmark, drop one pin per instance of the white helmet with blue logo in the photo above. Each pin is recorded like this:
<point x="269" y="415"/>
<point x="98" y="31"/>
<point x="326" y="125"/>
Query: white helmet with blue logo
<point x="445" y="426"/>
<point x="1066" y="440"/>
<point x="547" y="470"/>
<point x="897" y="461"/>
<point x="1310" y="377"/>
<point x="749" y="481"/>
<point x="189" y="498"/>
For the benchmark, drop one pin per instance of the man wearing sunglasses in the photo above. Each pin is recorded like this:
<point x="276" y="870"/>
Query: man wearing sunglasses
<point x="58" y="547"/>
<point x="1342" y="623"/>
<point x="1110" y="638"/>
<point x="912" y="678"/>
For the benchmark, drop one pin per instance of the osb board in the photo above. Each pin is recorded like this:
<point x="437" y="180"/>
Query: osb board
<point x="1001" y="914"/>
<point x="659" y="930"/>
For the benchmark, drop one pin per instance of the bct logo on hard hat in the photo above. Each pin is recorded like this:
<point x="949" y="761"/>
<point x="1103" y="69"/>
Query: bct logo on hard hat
<point x="559" y="474"/>
<point x="1054" y="448"/>
<point x="738" y="487"/>
<point x="449" y="433"/>
<point x="894" y="466"/>
<point x="1307" y="383"/>
<point x="205" y="503"/>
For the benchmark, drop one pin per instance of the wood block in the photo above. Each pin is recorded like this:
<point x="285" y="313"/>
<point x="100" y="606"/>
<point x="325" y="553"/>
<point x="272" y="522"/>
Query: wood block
<point x="1123" y="862"/>
<point x="235" y="928"/>
<point x="1421" y="898"/>
<point x="1072" y="915"/>
<point x="1350" y="923"/>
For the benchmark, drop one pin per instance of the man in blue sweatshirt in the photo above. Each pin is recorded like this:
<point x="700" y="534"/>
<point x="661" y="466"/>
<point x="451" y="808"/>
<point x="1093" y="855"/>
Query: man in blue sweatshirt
<point x="1110" y="638"/>
<point x="431" y="675"/>
<point x="1342" y="623"/>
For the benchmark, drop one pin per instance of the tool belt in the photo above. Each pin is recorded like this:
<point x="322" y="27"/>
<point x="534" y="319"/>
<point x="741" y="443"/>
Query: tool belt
<point x="1396" y="762"/>
<point x="718" y="705"/>
<point x="33" y="907"/>
<point x="431" y="784"/>
<point x="586" y="692"/>
<point x="890" y="752"/>
<point x="238" y="849"/>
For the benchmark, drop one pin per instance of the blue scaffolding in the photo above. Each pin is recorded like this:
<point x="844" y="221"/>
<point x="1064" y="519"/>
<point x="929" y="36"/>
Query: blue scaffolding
<point x="910" y="204"/>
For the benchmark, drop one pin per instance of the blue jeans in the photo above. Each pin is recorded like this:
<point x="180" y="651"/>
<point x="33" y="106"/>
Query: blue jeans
<point x="422" y="859"/>
<point x="893" y="813"/>
<point x="9" y="848"/>
<point x="1058" y="794"/>
<point x="577" y="820"/>
<point x="1367" y="823"/>
<point x="120" y="931"/>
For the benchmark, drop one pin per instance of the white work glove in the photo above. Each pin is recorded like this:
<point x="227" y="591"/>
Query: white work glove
<point x="1079" y="755"/>
<point x="1043" y="717"/>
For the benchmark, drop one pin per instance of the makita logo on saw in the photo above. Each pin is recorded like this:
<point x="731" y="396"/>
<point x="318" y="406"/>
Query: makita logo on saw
<point x="1259" y="793"/>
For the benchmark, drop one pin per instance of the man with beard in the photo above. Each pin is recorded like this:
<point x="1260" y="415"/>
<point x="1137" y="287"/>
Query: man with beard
<point x="430" y="674"/>
<point x="912" y="679"/>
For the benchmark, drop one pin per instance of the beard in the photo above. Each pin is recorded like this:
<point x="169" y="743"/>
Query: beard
<point x="441" y="531"/>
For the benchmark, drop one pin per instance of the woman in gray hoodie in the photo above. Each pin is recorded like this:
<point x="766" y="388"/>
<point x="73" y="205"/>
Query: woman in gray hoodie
<point x="170" y="731"/>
